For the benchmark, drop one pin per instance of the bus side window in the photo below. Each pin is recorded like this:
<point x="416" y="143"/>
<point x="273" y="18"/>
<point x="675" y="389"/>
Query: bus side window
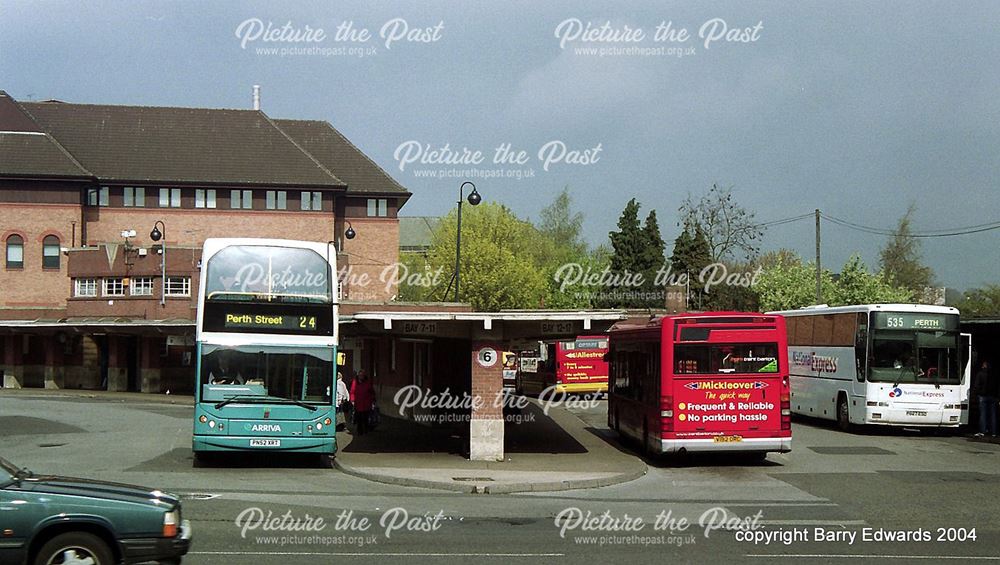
<point x="861" y="345"/>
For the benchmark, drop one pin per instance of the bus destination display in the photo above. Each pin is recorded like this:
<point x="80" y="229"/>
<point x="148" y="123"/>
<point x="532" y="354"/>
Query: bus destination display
<point x="915" y="321"/>
<point x="270" y="321"/>
<point x="299" y="319"/>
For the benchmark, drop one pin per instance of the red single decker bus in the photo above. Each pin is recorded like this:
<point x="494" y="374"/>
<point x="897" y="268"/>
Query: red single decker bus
<point x="702" y="382"/>
<point x="566" y="366"/>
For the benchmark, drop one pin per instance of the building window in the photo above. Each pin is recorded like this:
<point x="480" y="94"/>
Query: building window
<point x="312" y="201"/>
<point x="141" y="286"/>
<point x="170" y="198"/>
<point x="241" y="199"/>
<point x="277" y="200"/>
<point x="204" y="198"/>
<point x="15" y="252"/>
<point x="178" y="286"/>
<point x="50" y="252"/>
<point x="98" y="196"/>
<point x="114" y="287"/>
<point x="378" y="207"/>
<point x="134" y="196"/>
<point x="85" y="287"/>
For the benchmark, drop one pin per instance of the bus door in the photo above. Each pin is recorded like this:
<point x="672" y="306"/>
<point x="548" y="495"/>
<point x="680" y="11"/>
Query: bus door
<point x="965" y="367"/>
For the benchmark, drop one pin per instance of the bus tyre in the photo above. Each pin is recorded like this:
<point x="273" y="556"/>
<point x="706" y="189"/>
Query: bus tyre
<point x="843" y="413"/>
<point x="199" y="460"/>
<point x="75" y="547"/>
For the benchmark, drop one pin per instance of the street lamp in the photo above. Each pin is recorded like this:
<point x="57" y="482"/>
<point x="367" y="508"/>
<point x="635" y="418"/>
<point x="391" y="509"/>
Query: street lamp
<point x="350" y="233"/>
<point x="474" y="199"/>
<point x="155" y="235"/>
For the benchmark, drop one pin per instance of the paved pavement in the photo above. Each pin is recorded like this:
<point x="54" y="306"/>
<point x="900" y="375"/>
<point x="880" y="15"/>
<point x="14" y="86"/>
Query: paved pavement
<point x="545" y="450"/>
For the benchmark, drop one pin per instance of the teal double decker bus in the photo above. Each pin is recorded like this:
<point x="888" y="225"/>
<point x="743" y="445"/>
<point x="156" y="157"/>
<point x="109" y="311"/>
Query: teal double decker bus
<point x="267" y="347"/>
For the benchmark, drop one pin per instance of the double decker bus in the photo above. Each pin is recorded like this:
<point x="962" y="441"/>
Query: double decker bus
<point x="881" y="364"/>
<point x="266" y="345"/>
<point x="565" y="366"/>
<point x="715" y="381"/>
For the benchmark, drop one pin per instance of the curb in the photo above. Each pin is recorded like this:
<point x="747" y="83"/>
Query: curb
<point x="99" y="395"/>
<point x="549" y="486"/>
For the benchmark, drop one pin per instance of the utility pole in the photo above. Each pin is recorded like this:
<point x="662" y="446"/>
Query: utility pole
<point x="819" y="268"/>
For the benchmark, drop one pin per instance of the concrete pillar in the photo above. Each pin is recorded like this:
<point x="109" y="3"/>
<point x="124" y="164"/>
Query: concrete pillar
<point x="13" y="361"/>
<point x="117" y="365"/>
<point x="149" y="365"/>
<point x="55" y="369"/>
<point x="486" y="424"/>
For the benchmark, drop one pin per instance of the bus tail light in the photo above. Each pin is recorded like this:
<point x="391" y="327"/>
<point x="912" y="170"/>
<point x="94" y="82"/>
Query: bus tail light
<point x="786" y="405"/>
<point x="667" y="413"/>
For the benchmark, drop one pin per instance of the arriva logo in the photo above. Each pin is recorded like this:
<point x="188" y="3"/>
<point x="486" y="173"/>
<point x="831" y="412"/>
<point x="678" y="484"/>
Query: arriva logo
<point x="262" y="427"/>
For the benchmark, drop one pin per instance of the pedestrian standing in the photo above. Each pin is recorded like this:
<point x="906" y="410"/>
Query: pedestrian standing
<point x="987" y="388"/>
<point x="343" y="401"/>
<point x="363" y="394"/>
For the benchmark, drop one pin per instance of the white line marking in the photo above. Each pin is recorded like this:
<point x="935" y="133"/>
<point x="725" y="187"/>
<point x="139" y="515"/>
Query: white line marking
<point x="360" y="554"/>
<point x="840" y="523"/>
<point x="876" y="555"/>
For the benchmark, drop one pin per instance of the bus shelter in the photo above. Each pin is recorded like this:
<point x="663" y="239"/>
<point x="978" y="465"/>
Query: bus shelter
<point x="454" y="357"/>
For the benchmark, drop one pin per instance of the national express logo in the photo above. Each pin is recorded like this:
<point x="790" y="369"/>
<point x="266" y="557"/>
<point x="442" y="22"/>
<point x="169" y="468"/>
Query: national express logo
<point x="896" y="392"/>
<point x="725" y="385"/>
<point x="813" y="362"/>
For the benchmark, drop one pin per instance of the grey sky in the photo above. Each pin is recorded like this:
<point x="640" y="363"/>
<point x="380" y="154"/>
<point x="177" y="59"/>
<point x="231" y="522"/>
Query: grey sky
<point x="855" y="108"/>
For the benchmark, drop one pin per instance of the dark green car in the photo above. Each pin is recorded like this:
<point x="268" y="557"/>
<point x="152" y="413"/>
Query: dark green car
<point x="50" y="520"/>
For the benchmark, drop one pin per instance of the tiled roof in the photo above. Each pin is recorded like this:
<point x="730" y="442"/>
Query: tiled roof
<point x="198" y="145"/>
<point x="339" y="155"/>
<point x="33" y="154"/>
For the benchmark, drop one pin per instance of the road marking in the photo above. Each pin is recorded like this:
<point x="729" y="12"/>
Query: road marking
<point x="840" y="523"/>
<point x="360" y="554"/>
<point x="878" y="555"/>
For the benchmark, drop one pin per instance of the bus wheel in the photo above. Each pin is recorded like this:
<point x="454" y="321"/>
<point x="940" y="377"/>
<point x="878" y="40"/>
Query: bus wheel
<point x="843" y="413"/>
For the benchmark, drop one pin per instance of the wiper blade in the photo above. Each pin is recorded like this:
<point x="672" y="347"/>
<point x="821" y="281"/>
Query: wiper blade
<point x="258" y="399"/>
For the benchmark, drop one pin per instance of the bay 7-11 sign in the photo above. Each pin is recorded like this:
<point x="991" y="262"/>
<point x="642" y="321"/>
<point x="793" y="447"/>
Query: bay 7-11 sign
<point x="426" y="328"/>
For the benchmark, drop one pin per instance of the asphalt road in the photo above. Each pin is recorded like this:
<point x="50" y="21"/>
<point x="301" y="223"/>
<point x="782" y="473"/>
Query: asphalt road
<point x="852" y="491"/>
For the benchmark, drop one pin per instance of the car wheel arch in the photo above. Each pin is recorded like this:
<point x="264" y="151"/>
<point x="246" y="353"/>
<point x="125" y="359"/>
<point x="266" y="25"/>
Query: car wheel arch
<point x="57" y="525"/>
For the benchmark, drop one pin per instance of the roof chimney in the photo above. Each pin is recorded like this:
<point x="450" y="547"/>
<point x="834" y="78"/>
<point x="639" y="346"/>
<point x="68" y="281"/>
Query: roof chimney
<point x="256" y="97"/>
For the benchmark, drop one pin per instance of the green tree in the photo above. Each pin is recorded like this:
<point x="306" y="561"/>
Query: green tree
<point x="690" y="256"/>
<point x="980" y="302"/>
<point x="499" y="267"/>
<point x="651" y="260"/>
<point x="562" y="226"/>
<point x="786" y="283"/>
<point x="900" y="258"/>
<point x="856" y="285"/>
<point x="627" y="246"/>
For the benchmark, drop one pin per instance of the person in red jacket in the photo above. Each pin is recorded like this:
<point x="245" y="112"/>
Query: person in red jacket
<point x="363" y="395"/>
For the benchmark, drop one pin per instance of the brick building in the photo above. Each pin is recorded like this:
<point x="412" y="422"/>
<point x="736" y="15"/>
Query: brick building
<point x="83" y="300"/>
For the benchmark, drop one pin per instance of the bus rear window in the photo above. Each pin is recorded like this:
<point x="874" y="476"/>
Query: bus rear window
<point x="714" y="359"/>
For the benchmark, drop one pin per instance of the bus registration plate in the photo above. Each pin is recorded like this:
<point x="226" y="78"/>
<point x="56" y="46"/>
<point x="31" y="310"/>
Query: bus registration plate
<point x="916" y="413"/>
<point x="727" y="439"/>
<point x="265" y="443"/>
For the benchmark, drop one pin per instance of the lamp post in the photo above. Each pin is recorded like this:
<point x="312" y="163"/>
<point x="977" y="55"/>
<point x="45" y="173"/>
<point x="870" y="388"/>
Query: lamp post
<point x="156" y="235"/>
<point x="474" y="199"/>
